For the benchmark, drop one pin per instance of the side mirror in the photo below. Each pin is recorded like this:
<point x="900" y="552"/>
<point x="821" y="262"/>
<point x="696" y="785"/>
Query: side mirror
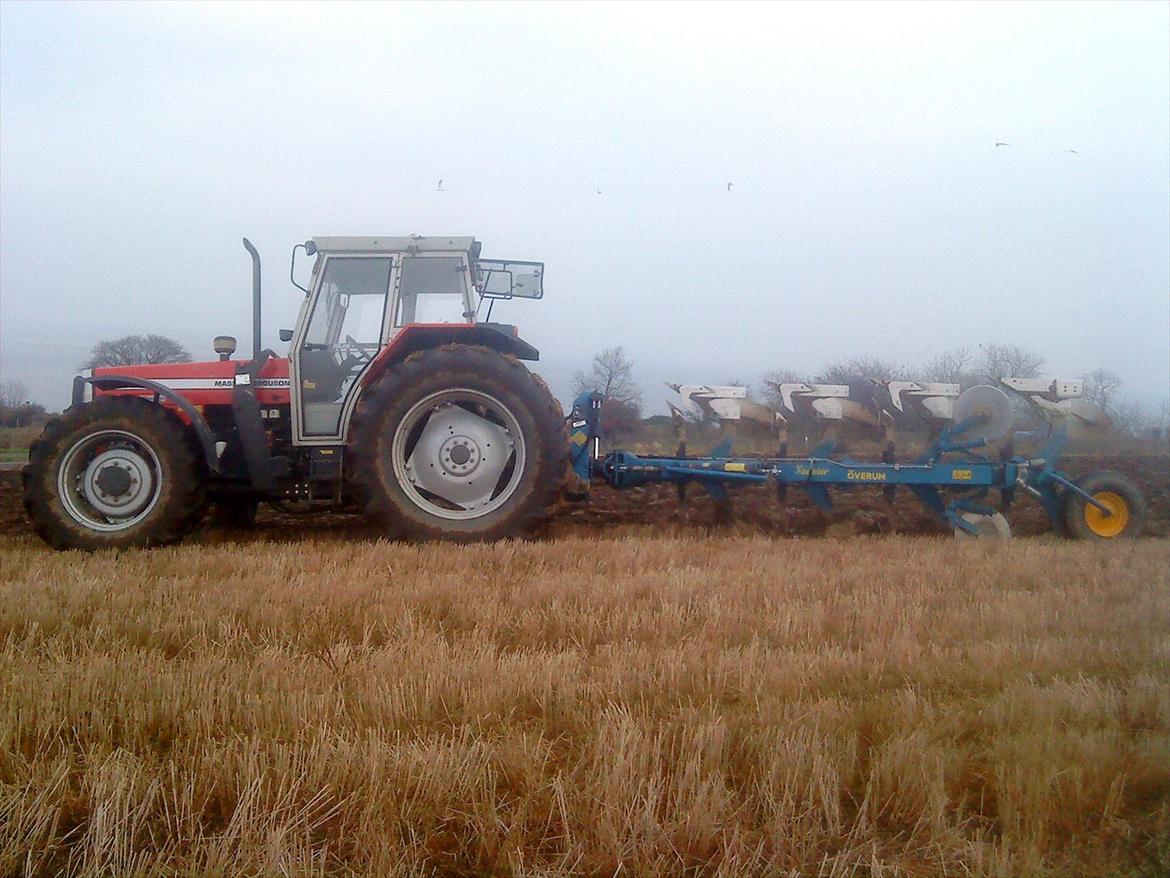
<point x="499" y="279"/>
<point x="310" y="248"/>
<point x="286" y="335"/>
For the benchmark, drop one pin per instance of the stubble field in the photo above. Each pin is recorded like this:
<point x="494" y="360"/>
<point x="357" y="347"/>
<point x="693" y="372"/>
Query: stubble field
<point x="622" y="704"/>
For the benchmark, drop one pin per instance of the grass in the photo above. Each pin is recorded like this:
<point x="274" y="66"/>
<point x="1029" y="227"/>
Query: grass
<point x="634" y="706"/>
<point x="14" y="442"/>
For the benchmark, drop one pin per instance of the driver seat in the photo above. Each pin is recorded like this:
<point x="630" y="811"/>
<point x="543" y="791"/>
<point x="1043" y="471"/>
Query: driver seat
<point x="322" y="376"/>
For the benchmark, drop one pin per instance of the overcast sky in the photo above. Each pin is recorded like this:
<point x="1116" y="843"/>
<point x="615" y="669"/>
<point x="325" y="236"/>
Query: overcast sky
<point x="871" y="212"/>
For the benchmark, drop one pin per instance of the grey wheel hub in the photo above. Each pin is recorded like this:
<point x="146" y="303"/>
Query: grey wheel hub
<point x="459" y="455"/>
<point x="118" y="482"/>
<point x="453" y="452"/>
<point x="109" y="480"/>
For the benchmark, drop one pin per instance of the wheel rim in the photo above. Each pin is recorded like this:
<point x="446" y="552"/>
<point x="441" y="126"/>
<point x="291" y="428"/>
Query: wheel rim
<point x="459" y="454"/>
<point x="109" y="480"/>
<point x="1107" y="525"/>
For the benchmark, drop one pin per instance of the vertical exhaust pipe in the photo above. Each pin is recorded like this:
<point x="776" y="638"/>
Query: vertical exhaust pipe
<point x="255" y="298"/>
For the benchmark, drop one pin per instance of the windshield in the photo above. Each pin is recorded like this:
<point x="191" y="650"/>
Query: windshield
<point x="351" y="303"/>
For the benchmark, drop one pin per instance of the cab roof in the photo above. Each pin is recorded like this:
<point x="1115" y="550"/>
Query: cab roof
<point x="408" y="244"/>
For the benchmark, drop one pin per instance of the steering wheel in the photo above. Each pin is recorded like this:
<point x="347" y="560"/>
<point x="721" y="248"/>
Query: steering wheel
<point x="357" y="352"/>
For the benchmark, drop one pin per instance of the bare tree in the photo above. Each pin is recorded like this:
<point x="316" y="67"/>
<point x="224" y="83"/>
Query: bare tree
<point x="15" y="408"/>
<point x="768" y="393"/>
<point x="1136" y="420"/>
<point x="612" y="374"/>
<point x="952" y="367"/>
<point x="1101" y="386"/>
<point x="1009" y="361"/>
<point x="858" y="369"/>
<point x="132" y="350"/>
<point x="13" y="394"/>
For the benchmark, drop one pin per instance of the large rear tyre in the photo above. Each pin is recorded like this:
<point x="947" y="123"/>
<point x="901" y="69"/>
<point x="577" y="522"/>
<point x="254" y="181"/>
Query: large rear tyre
<point x="115" y="473"/>
<point x="458" y="443"/>
<point x="1118" y="493"/>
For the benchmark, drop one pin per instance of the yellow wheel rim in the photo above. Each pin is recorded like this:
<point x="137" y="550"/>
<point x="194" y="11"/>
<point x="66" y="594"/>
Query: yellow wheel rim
<point x="1107" y="525"/>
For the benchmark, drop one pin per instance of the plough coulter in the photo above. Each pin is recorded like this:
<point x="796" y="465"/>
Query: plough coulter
<point x="399" y="397"/>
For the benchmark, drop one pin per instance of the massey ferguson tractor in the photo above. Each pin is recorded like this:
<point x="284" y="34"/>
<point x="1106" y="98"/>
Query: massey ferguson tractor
<point x="397" y="394"/>
<point x="401" y="398"/>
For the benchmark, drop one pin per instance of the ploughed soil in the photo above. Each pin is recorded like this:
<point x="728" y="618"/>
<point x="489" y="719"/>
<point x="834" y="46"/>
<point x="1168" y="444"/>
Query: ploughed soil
<point x="750" y="509"/>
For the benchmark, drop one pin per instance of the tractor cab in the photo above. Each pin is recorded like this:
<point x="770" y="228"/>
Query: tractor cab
<point x="364" y="293"/>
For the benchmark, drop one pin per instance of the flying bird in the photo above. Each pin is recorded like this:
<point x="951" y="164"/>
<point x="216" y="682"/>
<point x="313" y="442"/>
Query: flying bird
<point x="439" y="188"/>
<point x="598" y="190"/>
<point x="1073" y="151"/>
<point x="728" y="187"/>
<point x="1001" y="143"/>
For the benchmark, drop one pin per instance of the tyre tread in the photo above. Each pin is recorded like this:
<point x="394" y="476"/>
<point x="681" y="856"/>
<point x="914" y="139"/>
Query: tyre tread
<point x="186" y="502"/>
<point x="427" y="365"/>
<point x="1073" y="516"/>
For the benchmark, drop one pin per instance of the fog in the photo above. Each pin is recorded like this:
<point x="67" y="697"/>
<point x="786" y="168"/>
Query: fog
<point x="870" y="211"/>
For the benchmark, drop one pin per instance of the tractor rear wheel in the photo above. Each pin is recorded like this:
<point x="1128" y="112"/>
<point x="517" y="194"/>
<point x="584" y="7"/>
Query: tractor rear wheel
<point x="115" y="473"/>
<point x="458" y="443"/>
<point x="1119" y="494"/>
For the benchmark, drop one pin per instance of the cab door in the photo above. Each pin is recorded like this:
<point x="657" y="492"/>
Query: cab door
<point x="344" y="329"/>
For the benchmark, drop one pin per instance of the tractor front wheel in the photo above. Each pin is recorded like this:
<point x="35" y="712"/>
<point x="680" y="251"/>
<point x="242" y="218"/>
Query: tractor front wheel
<point x="458" y="443"/>
<point x="115" y="473"/>
<point x="1126" y="517"/>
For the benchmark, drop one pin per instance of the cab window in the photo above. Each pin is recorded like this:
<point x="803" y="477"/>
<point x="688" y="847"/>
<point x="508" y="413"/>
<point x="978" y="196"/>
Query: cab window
<point x="432" y="290"/>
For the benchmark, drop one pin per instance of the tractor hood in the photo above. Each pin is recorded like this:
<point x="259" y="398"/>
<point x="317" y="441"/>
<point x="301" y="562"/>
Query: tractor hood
<point x="208" y="383"/>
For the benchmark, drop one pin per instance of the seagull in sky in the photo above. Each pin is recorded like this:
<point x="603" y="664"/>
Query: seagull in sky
<point x="1001" y="143"/>
<point x="1073" y="151"/>
<point x="728" y="187"/>
<point x="439" y="188"/>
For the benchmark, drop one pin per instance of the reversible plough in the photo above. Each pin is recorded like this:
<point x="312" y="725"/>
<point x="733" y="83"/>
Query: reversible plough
<point x="952" y="476"/>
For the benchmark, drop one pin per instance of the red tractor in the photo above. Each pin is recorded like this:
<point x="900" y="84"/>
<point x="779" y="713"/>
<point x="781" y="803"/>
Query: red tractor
<point x="395" y="397"/>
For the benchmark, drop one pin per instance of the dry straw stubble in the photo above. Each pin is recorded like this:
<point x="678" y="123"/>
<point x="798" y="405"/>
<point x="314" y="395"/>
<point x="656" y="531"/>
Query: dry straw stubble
<point x="637" y="706"/>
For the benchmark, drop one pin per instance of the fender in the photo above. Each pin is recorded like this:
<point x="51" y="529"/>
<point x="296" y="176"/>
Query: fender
<point x="422" y="336"/>
<point x="160" y="391"/>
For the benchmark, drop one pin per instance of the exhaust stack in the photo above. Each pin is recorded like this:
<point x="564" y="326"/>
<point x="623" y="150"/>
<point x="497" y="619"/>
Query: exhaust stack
<point x="255" y="298"/>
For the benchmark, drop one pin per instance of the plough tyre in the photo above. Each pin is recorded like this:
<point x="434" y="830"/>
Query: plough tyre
<point x="116" y="473"/>
<point x="1126" y="517"/>
<point x="458" y="443"/>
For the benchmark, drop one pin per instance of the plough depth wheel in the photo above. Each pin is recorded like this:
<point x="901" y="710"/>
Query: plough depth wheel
<point x="1119" y="495"/>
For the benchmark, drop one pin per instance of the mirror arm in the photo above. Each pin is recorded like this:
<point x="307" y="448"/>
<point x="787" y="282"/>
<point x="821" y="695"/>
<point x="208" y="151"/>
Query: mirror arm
<point x="292" y="266"/>
<point x="310" y="248"/>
